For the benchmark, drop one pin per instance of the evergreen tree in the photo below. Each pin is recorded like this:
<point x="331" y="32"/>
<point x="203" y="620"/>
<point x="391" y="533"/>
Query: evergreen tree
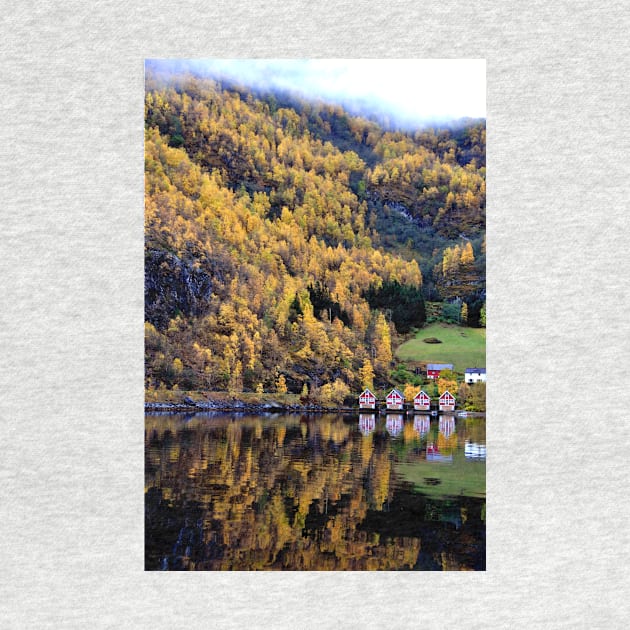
<point x="404" y="302"/>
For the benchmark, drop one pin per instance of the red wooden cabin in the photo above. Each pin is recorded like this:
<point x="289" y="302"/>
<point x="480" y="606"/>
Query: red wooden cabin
<point x="395" y="400"/>
<point x="422" y="401"/>
<point x="434" y="369"/>
<point x="447" y="401"/>
<point x="367" y="400"/>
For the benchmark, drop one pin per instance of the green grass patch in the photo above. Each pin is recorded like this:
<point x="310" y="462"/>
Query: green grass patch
<point x="461" y="346"/>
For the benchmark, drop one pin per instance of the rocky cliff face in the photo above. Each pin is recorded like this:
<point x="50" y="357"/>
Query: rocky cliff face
<point x="173" y="286"/>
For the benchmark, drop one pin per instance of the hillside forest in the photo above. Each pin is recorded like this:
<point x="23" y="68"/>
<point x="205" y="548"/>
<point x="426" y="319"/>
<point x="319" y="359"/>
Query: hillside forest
<point x="291" y="246"/>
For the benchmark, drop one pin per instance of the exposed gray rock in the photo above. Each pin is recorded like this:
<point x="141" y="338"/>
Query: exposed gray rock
<point x="173" y="286"/>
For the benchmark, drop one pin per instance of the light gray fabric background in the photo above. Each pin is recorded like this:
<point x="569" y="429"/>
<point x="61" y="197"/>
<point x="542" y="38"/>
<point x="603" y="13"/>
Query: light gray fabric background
<point x="71" y="368"/>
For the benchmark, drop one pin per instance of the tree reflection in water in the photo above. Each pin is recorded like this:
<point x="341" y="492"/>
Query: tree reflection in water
<point x="304" y="493"/>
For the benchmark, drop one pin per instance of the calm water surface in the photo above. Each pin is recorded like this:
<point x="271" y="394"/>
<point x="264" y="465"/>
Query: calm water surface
<point x="320" y="492"/>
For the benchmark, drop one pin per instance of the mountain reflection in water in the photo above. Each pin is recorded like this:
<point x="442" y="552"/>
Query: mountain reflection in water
<point x="321" y="492"/>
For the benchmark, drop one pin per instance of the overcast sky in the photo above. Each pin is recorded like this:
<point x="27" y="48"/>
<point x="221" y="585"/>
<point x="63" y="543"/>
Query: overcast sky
<point x="410" y="90"/>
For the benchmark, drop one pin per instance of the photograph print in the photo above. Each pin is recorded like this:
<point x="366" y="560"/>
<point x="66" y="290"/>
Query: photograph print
<point x="315" y="315"/>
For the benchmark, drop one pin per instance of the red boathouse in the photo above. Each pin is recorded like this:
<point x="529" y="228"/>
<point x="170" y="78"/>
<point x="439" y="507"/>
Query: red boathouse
<point x="447" y="401"/>
<point x="367" y="400"/>
<point x="422" y="401"/>
<point x="395" y="400"/>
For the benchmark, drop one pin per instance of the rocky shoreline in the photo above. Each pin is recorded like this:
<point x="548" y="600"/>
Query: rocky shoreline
<point x="189" y="405"/>
<point x="192" y="406"/>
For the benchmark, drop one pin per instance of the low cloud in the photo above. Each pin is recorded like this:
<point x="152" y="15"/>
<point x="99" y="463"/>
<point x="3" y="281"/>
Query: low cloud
<point x="411" y="92"/>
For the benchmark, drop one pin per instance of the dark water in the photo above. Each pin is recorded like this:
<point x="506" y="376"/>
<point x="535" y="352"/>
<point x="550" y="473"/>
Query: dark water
<point x="321" y="492"/>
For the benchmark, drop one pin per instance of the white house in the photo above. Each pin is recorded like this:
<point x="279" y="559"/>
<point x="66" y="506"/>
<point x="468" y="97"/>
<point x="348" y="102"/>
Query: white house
<point x="475" y="375"/>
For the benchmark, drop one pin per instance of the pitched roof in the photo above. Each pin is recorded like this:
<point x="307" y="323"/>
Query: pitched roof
<point x="475" y="370"/>
<point x="439" y="366"/>
<point x="397" y="391"/>
<point x="420" y="393"/>
<point x="446" y="392"/>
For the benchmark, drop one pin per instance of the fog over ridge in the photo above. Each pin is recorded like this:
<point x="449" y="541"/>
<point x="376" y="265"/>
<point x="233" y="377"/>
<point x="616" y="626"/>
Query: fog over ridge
<point x="408" y="93"/>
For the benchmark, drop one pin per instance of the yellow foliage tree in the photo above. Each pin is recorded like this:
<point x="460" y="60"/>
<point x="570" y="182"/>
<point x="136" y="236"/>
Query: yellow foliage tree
<point x="445" y="384"/>
<point x="447" y="381"/>
<point x="467" y="256"/>
<point x="463" y="316"/>
<point x="382" y="343"/>
<point x="333" y="393"/>
<point x="281" y="385"/>
<point x="410" y="391"/>
<point x="235" y="384"/>
<point x="366" y="374"/>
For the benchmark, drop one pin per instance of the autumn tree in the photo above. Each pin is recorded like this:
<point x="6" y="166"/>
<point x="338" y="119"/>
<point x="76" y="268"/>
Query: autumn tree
<point x="467" y="256"/>
<point x="334" y="393"/>
<point x="281" y="384"/>
<point x="410" y="390"/>
<point x="463" y="316"/>
<point x="382" y="343"/>
<point x="476" y="399"/>
<point x="366" y="374"/>
<point x="447" y="381"/>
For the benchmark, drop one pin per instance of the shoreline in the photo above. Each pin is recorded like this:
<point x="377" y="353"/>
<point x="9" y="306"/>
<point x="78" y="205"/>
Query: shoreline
<point x="240" y="406"/>
<point x="192" y="406"/>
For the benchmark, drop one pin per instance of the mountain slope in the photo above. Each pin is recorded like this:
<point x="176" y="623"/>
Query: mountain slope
<point x="262" y="245"/>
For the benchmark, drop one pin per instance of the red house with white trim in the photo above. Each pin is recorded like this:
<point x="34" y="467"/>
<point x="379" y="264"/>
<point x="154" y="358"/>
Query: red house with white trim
<point x="367" y="400"/>
<point x="447" y="401"/>
<point x="422" y="401"/>
<point x="395" y="400"/>
<point x="434" y="369"/>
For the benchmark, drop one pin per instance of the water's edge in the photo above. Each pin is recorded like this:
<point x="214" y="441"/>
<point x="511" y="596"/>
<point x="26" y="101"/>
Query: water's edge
<point x="238" y="405"/>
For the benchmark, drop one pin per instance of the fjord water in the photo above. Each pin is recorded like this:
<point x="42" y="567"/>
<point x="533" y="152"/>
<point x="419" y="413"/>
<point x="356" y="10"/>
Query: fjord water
<point x="314" y="492"/>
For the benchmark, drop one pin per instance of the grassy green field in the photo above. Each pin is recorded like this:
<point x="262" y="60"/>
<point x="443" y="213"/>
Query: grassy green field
<point x="461" y="346"/>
